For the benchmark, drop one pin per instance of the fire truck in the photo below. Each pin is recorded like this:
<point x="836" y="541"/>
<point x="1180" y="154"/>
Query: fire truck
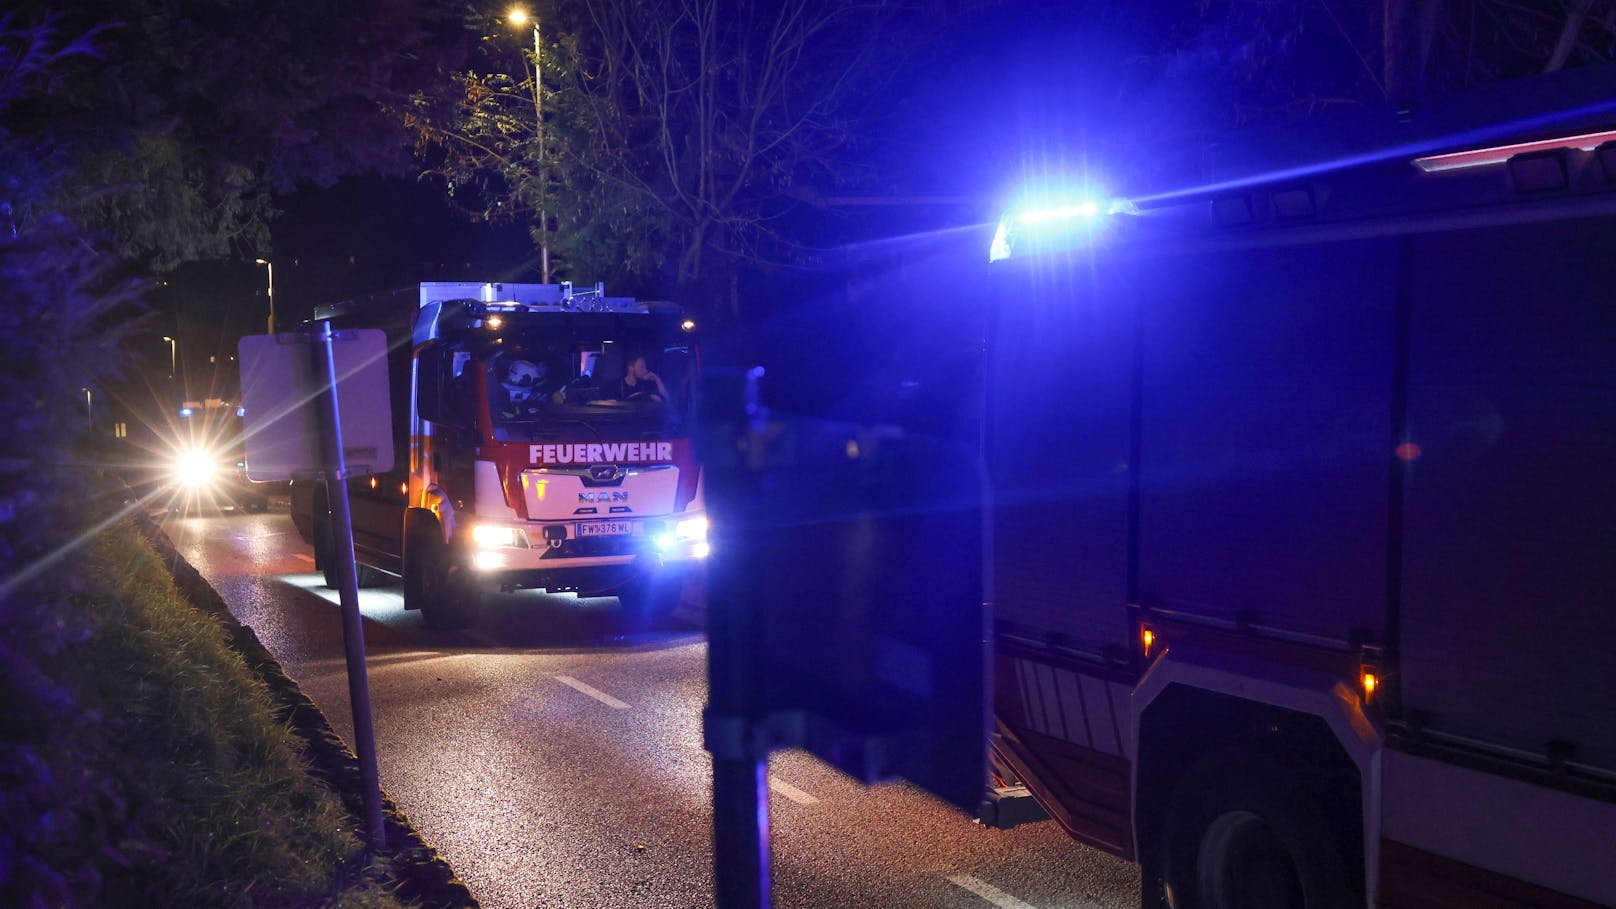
<point x="531" y="463"/>
<point x="1302" y="454"/>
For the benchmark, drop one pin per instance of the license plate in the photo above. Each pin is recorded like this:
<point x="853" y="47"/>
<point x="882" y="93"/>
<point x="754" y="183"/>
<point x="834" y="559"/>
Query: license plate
<point x="606" y="529"/>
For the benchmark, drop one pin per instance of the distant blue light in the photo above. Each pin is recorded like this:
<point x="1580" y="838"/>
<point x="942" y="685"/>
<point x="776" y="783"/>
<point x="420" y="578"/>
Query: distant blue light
<point x="241" y="411"/>
<point x="186" y="412"/>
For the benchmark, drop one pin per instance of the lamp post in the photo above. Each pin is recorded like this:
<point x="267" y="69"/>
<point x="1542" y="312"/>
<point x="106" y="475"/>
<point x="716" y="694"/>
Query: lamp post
<point x="173" y="357"/>
<point x="271" y="267"/>
<point x="519" y="17"/>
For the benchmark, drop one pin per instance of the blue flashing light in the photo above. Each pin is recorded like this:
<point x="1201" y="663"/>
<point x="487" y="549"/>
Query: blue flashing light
<point x="186" y="412"/>
<point x="241" y="411"/>
<point x="1055" y="220"/>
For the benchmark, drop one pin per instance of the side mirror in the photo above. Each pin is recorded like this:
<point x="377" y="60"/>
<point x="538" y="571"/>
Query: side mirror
<point x="434" y="400"/>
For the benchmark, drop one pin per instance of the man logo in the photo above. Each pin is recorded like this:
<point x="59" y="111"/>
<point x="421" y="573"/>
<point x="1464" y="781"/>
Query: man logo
<point x="596" y="497"/>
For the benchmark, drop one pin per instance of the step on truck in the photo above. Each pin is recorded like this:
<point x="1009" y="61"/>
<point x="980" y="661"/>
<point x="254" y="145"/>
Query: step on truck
<point x="1303" y="467"/>
<point x="549" y="448"/>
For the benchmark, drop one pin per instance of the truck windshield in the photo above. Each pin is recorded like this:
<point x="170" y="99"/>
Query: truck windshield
<point x="618" y="379"/>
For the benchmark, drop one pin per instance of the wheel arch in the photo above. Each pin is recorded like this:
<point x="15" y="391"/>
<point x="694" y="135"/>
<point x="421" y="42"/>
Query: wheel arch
<point x="1194" y="704"/>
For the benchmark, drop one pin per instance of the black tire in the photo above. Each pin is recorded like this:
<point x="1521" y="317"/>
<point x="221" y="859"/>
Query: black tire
<point x="324" y="560"/>
<point x="446" y="600"/>
<point x="1243" y="833"/>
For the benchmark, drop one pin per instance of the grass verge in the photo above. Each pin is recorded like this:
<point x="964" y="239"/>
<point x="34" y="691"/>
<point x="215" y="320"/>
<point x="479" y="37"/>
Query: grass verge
<point x="158" y="775"/>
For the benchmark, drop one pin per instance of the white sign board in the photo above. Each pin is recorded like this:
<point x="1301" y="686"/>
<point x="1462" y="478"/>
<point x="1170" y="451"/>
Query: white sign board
<point x="280" y="392"/>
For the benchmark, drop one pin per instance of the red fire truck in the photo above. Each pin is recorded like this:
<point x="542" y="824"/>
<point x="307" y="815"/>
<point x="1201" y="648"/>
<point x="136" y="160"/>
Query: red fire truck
<point x="1303" y="462"/>
<point x="532" y="463"/>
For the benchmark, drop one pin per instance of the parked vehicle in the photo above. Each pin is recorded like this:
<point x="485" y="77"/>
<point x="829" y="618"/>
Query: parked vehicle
<point x="1304" y="486"/>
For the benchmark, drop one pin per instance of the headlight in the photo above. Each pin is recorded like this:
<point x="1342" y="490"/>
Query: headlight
<point x="691" y="528"/>
<point x="493" y="536"/>
<point x="195" y="467"/>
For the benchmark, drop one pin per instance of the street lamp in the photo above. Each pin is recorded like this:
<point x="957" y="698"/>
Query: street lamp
<point x="173" y="357"/>
<point x="271" y="266"/>
<point x="519" y="17"/>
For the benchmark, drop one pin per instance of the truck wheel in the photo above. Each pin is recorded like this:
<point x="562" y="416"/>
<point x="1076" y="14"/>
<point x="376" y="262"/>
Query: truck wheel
<point x="323" y="559"/>
<point x="326" y="563"/>
<point x="431" y="585"/>
<point x="1242" y="833"/>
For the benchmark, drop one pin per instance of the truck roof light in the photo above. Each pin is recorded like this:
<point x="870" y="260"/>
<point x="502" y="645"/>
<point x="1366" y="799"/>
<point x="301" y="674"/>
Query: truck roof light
<point x="1075" y="218"/>
<point x="1498" y="154"/>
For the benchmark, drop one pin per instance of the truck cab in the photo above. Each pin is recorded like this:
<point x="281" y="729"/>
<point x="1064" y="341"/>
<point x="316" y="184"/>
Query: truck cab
<point x="549" y="447"/>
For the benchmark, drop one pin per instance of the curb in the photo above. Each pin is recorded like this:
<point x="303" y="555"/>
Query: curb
<point x="421" y="874"/>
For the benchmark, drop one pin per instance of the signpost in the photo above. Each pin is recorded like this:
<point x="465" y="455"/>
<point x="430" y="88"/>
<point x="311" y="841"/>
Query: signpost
<point x="316" y="407"/>
<point x="846" y="611"/>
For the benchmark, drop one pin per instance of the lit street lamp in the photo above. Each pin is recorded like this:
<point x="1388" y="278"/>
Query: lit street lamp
<point x="173" y="357"/>
<point x="519" y="17"/>
<point x="271" y="267"/>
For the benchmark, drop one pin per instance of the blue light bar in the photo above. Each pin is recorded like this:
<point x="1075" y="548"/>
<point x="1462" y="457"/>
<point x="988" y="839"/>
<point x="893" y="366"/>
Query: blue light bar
<point x="186" y="412"/>
<point x="1058" y="220"/>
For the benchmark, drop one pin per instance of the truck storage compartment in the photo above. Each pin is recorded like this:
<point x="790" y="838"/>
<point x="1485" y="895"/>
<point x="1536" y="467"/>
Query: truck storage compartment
<point x="1266" y="427"/>
<point x="1058" y="452"/>
<point x="1509" y="594"/>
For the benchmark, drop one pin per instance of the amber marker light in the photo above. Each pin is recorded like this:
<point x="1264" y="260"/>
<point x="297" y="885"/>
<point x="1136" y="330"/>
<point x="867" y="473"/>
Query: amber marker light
<point x="1369" y="681"/>
<point x="1147" y="640"/>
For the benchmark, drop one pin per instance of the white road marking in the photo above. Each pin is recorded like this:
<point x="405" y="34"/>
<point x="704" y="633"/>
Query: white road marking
<point x="988" y="892"/>
<point x="791" y="792"/>
<point x="592" y="691"/>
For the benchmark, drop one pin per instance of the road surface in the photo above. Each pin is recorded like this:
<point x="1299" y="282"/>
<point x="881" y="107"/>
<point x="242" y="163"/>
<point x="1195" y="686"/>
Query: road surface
<point x="556" y="760"/>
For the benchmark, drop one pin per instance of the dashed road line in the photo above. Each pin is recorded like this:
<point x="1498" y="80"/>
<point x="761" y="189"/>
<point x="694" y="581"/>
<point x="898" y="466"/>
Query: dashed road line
<point x="988" y="892"/>
<point x="791" y="792"/>
<point x="592" y="691"/>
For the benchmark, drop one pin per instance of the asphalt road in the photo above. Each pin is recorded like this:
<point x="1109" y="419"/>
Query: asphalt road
<point x="555" y="759"/>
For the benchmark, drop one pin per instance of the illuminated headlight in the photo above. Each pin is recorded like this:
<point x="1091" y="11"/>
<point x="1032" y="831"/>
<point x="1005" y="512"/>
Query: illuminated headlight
<point x="691" y="529"/>
<point x="701" y="550"/>
<point x="493" y="536"/>
<point x="487" y="561"/>
<point x="195" y="467"/>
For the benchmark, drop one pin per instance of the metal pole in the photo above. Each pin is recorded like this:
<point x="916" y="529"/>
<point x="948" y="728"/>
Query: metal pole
<point x="736" y="730"/>
<point x="353" y="631"/>
<point x="270" y="266"/>
<point x="538" y="131"/>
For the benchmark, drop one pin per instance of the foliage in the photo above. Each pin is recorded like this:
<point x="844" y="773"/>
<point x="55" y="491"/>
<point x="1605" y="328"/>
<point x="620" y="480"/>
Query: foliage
<point x="1264" y="60"/>
<point x="171" y="124"/>
<point x="676" y="134"/>
<point x="156" y="773"/>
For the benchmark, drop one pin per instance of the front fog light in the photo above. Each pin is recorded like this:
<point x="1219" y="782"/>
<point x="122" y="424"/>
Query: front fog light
<point x="691" y="528"/>
<point x="701" y="550"/>
<point x="493" y="536"/>
<point x="487" y="561"/>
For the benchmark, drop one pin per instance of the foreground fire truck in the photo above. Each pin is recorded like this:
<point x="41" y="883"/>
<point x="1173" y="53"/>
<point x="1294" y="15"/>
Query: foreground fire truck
<point x="1304" y="534"/>
<point x="591" y="486"/>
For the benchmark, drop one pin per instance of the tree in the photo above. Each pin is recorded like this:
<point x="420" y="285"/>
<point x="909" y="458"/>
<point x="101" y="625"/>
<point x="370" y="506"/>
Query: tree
<point x="678" y="135"/>
<point x="170" y="142"/>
